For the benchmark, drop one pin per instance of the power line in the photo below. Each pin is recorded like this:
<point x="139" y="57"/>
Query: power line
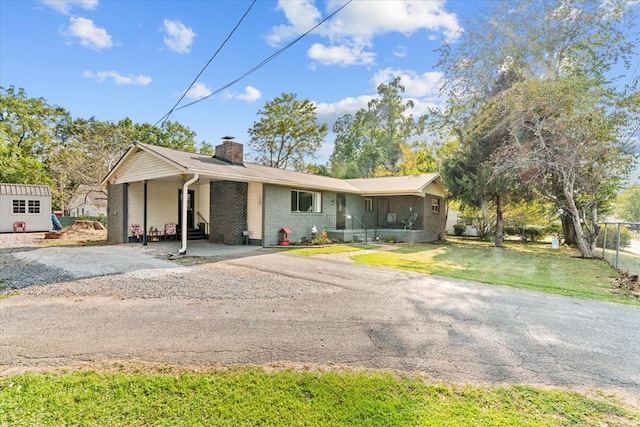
<point x="265" y="61"/>
<point x="166" y="116"/>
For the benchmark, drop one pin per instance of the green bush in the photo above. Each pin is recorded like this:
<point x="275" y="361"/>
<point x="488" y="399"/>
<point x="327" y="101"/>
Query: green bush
<point x="612" y="237"/>
<point x="526" y="234"/>
<point x="459" y="229"/>
<point x="321" y="240"/>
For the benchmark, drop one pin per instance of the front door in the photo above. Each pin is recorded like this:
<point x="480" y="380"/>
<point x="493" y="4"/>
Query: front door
<point x="191" y="197"/>
<point x="341" y="211"/>
<point x="383" y="211"/>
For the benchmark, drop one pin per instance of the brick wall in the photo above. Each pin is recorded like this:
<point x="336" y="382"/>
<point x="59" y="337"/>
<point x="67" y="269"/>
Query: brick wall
<point x="228" y="213"/>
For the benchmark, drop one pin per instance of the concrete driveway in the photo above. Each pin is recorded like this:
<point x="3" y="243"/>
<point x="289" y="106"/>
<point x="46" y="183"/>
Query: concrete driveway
<point x="337" y="312"/>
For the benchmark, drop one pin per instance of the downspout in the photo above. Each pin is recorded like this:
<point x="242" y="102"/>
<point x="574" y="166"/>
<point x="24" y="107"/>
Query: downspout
<point x="144" y="223"/>
<point x="183" y="225"/>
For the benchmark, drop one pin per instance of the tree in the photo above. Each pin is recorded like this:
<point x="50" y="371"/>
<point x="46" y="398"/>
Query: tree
<point x="628" y="204"/>
<point x="169" y="134"/>
<point x="286" y="133"/>
<point x="561" y="132"/>
<point x="563" y="113"/>
<point x="27" y="134"/>
<point x="375" y="140"/>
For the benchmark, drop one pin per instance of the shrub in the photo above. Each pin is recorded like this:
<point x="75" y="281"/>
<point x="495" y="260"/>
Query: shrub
<point x="530" y="234"/>
<point x="612" y="237"/>
<point x="322" y="239"/>
<point x="459" y="229"/>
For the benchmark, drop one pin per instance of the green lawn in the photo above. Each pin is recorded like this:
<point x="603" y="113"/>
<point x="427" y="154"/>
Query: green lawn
<point x="528" y="266"/>
<point x="255" y="397"/>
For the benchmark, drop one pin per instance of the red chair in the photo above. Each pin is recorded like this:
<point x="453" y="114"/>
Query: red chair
<point x="19" y="225"/>
<point x="137" y="231"/>
<point x="170" y="231"/>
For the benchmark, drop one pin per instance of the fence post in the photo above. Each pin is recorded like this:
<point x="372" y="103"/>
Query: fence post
<point x="618" y="246"/>
<point x="604" y="242"/>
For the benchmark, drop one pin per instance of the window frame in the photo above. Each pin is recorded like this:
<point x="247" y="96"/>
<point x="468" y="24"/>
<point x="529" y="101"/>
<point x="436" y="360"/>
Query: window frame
<point x="435" y="205"/>
<point x="19" y="206"/>
<point x="315" y="205"/>
<point x="33" y="207"/>
<point x="368" y="204"/>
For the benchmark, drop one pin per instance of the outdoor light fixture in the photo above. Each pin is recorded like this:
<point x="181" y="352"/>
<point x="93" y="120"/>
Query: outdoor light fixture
<point x="332" y="203"/>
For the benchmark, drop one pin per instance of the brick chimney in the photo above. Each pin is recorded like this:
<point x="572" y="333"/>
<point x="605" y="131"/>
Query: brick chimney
<point x="229" y="151"/>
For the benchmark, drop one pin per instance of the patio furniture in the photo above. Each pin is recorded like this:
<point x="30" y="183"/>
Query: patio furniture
<point x="137" y="231"/>
<point x="19" y="225"/>
<point x="408" y="224"/>
<point x="170" y="231"/>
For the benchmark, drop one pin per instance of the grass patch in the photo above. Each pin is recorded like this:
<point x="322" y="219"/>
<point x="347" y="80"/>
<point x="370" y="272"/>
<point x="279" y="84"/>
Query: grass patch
<point x="329" y="249"/>
<point x="528" y="266"/>
<point x="252" y="396"/>
<point x="627" y="261"/>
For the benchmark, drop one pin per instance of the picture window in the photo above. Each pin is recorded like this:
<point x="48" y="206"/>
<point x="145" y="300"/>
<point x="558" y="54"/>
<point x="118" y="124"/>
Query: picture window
<point x="306" y="201"/>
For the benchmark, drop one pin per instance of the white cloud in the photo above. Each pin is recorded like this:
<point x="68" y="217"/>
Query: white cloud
<point x="329" y="113"/>
<point x="355" y="27"/>
<point x="340" y="55"/>
<point x="250" y="94"/>
<point x="64" y="6"/>
<point x="400" y="51"/>
<point x="415" y="85"/>
<point x="198" y="90"/>
<point x="88" y="34"/>
<point x="302" y="15"/>
<point x="118" y="78"/>
<point x="179" y="37"/>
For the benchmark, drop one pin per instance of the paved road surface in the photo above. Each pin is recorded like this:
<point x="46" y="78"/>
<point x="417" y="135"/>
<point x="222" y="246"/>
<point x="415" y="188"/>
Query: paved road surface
<point x="349" y="315"/>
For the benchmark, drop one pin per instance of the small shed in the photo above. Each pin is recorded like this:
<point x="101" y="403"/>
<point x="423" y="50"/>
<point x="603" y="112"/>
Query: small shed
<point x="27" y="205"/>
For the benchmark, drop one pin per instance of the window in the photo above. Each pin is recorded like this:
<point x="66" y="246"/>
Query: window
<point x="435" y="205"/>
<point x="19" y="206"/>
<point x="368" y="204"/>
<point x="34" y="206"/>
<point x="306" y="201"/>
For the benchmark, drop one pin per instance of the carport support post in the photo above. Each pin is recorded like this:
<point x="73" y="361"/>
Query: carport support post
<point x="144" y="223"/>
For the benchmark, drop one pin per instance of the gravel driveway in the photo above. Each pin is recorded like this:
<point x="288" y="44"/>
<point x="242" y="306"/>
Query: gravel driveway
<point x="281" y="308"/>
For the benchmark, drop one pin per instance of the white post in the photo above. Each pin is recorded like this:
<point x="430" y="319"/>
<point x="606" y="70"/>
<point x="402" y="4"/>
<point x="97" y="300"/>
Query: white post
<point x="183" y="225"/>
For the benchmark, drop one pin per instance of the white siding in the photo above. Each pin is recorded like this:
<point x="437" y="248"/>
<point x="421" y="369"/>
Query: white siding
<point x="203" y="195"/>
<point x="254" y="210"/>
<point x="143" y="166"/>
<point x="33" y="222"/>
<point x="162" y="204"/>
<point x="434" y="189"/>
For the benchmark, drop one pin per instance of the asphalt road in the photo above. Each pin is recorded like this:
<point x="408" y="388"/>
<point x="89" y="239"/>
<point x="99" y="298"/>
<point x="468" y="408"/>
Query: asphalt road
<point x="350" y="315"/>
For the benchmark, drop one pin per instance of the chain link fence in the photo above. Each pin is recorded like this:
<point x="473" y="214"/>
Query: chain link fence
<point x="619" y="245"/>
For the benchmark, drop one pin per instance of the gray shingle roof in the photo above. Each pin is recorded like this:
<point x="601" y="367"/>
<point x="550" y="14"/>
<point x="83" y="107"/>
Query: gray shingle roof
<point x="206" y="165"/>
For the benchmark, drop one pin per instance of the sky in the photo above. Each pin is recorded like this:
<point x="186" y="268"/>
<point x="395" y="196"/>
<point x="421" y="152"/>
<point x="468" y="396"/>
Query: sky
<point x="112" y="59"/>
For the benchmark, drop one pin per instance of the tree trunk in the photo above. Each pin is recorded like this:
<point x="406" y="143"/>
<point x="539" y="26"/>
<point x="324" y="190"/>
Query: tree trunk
<point x="581" y="240"/>
<point x="568" y="232"/>
<point x="499" y="209"/>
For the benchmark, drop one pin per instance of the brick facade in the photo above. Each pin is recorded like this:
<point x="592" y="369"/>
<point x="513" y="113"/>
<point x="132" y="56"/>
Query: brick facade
<point x="228" y="216"/>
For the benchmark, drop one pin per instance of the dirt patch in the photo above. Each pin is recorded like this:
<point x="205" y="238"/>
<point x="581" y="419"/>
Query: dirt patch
<point x="82" y="231"/>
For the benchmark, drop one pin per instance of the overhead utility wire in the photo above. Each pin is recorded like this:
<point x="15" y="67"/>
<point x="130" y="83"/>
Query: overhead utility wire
<point x="166" y="116"/>
<point x="263" y="63"/>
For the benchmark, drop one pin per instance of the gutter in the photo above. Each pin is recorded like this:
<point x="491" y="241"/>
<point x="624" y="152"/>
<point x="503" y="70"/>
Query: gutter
<point x="185" y="190"/>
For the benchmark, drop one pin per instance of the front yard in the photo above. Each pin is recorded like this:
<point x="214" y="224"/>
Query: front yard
<point x="528" y="266"/>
